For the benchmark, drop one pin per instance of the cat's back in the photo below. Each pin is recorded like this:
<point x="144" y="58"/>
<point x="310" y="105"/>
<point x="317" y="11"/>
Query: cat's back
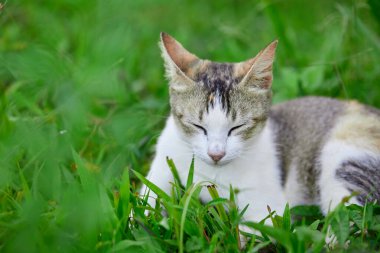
<point x="316" y="119"/>
<point x="306" y="118"/>
<point x="303" y="126"/>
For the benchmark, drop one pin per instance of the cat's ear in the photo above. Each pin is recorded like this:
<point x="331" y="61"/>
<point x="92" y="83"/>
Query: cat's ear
<point x="257" y="71"/>
<point x="179" y="63"/>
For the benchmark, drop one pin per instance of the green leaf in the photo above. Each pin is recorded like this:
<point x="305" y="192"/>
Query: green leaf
<point x="216" y="201"/>
<point x="221" y="224"/>
<point x="260" y="246"/>
<point x="87" y="180"/>
<point x="272" y="216"/>
<point x="214" y="241"/>
<point x="232" y="194"/>
<point x="124" y="193"/>
<point x="188" y="195"/>
<point x="194" y="244"/>
<point x="286" y="222"/>
<point x="375" y="8"/>
<point x="281" y="236"/>
<point x="357" y="217"/>
<point x="215" y="195"/>
<point x="126" y="244"/>
<point x="174" y="171"/>
<point x="190" y="176"/>
<point x="309" y="235"/>
<point x="243" y="211"/>
<point x="160" y="193"/>
<point x="315" y="225"/>
<point x="340" y="224"/>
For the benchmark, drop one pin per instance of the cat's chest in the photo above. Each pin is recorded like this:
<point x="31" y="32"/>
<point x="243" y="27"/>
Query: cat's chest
<point x="246" y="171"/>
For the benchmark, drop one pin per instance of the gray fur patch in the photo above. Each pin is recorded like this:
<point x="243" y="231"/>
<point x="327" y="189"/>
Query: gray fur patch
<point x="362" y="176"/>
<point x="301" y="128"/>
<point x="218" y="81"/>
<point x="188" y="102"/>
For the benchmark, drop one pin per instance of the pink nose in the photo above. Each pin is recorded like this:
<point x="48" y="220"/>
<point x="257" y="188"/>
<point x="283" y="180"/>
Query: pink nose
<point x="217" y="156"/>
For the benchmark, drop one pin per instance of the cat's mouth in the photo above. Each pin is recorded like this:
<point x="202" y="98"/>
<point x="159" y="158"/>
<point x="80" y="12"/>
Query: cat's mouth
<point x="208" y="160"/>
<point x="213" y="163"/>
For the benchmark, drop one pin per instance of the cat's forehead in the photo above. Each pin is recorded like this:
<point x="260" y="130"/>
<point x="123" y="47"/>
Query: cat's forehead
<point x="218" y="80"/>
<point x="217" y="76"/>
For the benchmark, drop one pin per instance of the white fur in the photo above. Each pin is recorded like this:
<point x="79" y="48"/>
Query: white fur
<point x="253" y="170"/>
<point x="332" y="155"/>
<point x="293" y="190"/>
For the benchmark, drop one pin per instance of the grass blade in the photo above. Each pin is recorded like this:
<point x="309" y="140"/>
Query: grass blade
<point x="152" y="186"/>
<point x="340" y="224"/>
<point x="215" y="195"/>
<point x="184" y="213"/>
<point x="281" y="236"/>
<point x="174" y="171"/>
<point x="286" y="223"/>
<point x="190" y="176"/>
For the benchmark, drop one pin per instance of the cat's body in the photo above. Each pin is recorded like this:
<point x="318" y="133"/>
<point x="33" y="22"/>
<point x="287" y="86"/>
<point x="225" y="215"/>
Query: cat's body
<point x="306" y="151"/>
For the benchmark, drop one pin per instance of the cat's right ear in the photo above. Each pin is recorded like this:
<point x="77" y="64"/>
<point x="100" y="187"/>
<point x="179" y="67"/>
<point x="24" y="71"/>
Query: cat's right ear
<point x="257" y="71"/>
<point x="179" y="63"/>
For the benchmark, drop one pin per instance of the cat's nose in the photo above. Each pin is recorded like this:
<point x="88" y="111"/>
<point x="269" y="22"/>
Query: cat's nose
<point x="217" y="156"/>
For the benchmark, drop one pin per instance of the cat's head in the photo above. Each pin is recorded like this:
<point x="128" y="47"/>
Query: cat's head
<point x="219" y="107"/>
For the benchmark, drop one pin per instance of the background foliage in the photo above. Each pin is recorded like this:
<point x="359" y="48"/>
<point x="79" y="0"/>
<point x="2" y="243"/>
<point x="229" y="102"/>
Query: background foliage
<point x="83" y="98"/>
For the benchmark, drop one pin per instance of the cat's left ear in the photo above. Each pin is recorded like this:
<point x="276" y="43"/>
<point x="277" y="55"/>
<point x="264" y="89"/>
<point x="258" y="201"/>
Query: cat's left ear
<point x="257" y="71"/>
<point x="180" y="64"/>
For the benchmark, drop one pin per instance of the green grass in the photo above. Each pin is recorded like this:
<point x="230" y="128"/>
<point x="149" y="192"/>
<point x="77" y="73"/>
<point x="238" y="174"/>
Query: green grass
<point x="83" y="99"/>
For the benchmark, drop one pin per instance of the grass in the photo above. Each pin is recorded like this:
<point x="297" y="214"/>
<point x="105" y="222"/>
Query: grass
<point x="83" y="99"/>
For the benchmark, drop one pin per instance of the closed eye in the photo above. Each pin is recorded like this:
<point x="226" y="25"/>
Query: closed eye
<point x="234" y="128"/>
<point x="200" y="127"/>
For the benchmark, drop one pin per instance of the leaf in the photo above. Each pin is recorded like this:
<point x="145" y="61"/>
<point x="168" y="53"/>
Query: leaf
<point x="309" y="235"/>
<point x="232" y="194"/>
<point x="315" y="225"/>
<point x="215" y="202"/>
<point x="188" y="195"/>
<point x="215" y="195"/>
<point x="340" y="224"/>
<point x="260" y="246"/>
<point x="233" y="210"/>
<point x="214" y="241"/>
<point x="221" y="224"/>
<point x="375" y="8"/>
<point x="174" y="171"/>
<point x="308" y="213"/>
<point x="357" y="218"/>
<point x="286" y="223"/>
<point x="87" y="180"/>
<point x="190" y="176"/>
<point x="124" y="203"/>
<point x="152" y="186"/>
<point x="194" y="244"/>
<point x="274" y="218"/>
<point x="24" y="183"/>
<point x="368" y="215"/>
<point x="281" y="236"/>
<point x="243" y="211"/>
<point x="125" y="244"/>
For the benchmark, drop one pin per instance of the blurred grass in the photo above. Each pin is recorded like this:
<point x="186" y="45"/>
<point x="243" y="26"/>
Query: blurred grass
<point x="83" y="98"/>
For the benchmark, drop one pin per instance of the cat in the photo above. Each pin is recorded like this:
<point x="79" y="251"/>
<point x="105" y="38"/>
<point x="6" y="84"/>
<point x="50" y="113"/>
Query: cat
<point x="311" y="150"/>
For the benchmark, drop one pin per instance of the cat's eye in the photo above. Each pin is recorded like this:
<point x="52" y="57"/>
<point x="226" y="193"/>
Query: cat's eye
<point x="234" y="128"/>
<point x="200" y="127"/>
